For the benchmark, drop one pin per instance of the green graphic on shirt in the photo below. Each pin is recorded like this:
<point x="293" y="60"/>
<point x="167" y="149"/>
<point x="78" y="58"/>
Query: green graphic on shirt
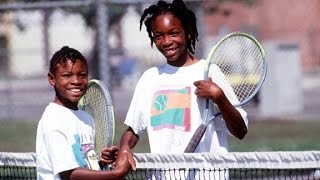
<point x="170" y="117"/>
<point x="183" y="91"/>
<point x="160" y="102"/>
<point x="78" y="153"/>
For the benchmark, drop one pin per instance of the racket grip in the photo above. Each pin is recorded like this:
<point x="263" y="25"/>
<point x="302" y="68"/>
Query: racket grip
<point x="196" y="138"/>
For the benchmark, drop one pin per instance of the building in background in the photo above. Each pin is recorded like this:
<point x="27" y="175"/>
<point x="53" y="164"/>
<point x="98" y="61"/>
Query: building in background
<point x="285" y="21"/>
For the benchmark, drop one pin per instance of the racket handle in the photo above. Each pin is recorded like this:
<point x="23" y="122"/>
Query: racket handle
<point x="196" y="138"/>
<point x="105" y="167"/>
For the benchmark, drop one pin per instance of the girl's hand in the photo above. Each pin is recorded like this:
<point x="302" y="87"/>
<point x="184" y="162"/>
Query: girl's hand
<point x="125" y="156"/>
<point x="109" y="155"/>
<point x="209" y="90"/>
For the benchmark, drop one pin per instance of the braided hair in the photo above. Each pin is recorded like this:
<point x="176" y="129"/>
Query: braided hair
<point x="180" y="11"/>
<point x="64" y="54"/>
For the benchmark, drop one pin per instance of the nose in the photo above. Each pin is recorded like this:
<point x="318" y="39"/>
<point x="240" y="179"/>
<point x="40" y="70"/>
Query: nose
<point x="75" y="80"/>
<point x="167" y="41"/>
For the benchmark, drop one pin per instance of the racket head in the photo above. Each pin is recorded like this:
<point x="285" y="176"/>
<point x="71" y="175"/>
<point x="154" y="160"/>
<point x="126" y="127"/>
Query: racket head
<point x="97" y="102"/>
<point x="242" y="60"/>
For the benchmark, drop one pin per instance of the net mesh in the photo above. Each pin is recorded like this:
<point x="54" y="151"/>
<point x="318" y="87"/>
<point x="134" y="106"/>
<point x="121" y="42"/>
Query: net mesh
<point x="295" y="165"/>
<point x="17" y="166"/>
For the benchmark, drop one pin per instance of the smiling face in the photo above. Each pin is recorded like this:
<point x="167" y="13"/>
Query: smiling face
<point x="170" y="39"/>
<point x="70" y="81"/>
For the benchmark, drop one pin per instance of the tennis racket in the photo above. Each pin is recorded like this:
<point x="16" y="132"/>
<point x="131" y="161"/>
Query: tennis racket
<point x="97" y="102"/>
<point x="241" y="59"/>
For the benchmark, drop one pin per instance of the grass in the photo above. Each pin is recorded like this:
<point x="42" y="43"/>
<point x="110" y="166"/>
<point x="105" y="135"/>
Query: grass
<point x="143" y="144"/>
<point x="17" y="136"/>
<point x="279" y="136"/>
<point x="262" y="136"/>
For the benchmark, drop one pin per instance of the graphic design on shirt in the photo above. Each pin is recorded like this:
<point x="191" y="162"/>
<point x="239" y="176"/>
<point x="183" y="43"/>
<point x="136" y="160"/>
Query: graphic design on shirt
<point x="171" y="109"/>
<point x="84" y="152"/>
<point x="77" y="151"/>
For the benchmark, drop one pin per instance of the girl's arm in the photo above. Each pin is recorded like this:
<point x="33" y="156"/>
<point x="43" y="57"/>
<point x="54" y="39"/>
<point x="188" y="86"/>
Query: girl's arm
<point x="234" y="121"/>
<point x="84" y="173"/>
<point x="128" y="140"/>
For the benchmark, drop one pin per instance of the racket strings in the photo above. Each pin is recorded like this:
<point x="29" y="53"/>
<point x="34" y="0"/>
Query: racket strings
<point x="94" y="103"/>
<point x="250" y="69"/>
<point x="241" y="61"/>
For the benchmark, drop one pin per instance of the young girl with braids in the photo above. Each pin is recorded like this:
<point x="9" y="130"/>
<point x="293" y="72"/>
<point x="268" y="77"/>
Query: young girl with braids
<point x="169" y="99"/>
<point x="65" y="134"/>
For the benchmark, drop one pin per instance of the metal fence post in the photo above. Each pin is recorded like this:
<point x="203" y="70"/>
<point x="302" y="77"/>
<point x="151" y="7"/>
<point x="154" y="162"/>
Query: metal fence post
<point x="102" y="28"/>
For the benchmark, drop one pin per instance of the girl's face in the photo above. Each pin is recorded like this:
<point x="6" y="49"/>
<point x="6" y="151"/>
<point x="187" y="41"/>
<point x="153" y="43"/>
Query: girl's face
<point x="70" y="82"/>
<point x="170" y="39"/>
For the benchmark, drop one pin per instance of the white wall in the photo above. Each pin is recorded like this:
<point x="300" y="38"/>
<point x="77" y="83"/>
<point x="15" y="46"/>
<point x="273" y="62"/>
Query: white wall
<point x="282" y="92"/>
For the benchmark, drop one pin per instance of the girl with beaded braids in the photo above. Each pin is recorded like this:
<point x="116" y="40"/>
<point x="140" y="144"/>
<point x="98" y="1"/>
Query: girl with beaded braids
<point x="169" y="99"/>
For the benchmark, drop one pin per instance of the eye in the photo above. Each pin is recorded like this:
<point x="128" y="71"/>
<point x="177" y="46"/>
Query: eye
<point x="66" y="75"/>
<point x="157" y="36"/>
<point x="83" y="74"/>
<point x="175" y="33"/>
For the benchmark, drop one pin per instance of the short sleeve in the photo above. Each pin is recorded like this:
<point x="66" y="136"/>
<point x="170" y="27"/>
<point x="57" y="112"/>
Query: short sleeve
<point x="137" y="116"/>
<point x="60" y="152"/>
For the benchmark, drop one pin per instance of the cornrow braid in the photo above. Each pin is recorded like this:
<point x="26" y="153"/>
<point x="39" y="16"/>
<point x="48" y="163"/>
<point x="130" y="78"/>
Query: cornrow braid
<point x="64" y="54"/>
<point x="180" y="11"/>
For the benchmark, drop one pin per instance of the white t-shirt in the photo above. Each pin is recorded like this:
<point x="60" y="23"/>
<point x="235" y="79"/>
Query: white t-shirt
<point x="65" y="141"/>
<point x="164" y="104"/>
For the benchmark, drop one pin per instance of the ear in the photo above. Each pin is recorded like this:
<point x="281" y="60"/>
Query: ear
<point x="51" y="79"/>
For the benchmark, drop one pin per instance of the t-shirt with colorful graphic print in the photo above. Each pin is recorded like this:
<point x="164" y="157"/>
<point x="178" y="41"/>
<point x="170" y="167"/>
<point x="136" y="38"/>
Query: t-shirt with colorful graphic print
<point x="165" y="105"/>
<point x="65" y="141"/>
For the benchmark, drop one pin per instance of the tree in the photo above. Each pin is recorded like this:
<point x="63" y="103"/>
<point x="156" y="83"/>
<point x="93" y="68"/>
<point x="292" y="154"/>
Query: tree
<point x="115" y="13"/>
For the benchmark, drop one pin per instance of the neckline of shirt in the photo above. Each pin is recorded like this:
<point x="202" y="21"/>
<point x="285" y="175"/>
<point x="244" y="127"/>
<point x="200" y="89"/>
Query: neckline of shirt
<point x="61" y="107"/>
<point x="183" y="68"/>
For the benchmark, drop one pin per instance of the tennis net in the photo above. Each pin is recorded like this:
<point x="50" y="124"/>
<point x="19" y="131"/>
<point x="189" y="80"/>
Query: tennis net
<point x="293" y="165"/>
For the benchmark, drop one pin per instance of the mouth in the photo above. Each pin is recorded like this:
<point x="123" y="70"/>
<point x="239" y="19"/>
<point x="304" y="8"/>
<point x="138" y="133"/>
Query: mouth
<point x="170" y="52"/>
<point x="76" y="91"/>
